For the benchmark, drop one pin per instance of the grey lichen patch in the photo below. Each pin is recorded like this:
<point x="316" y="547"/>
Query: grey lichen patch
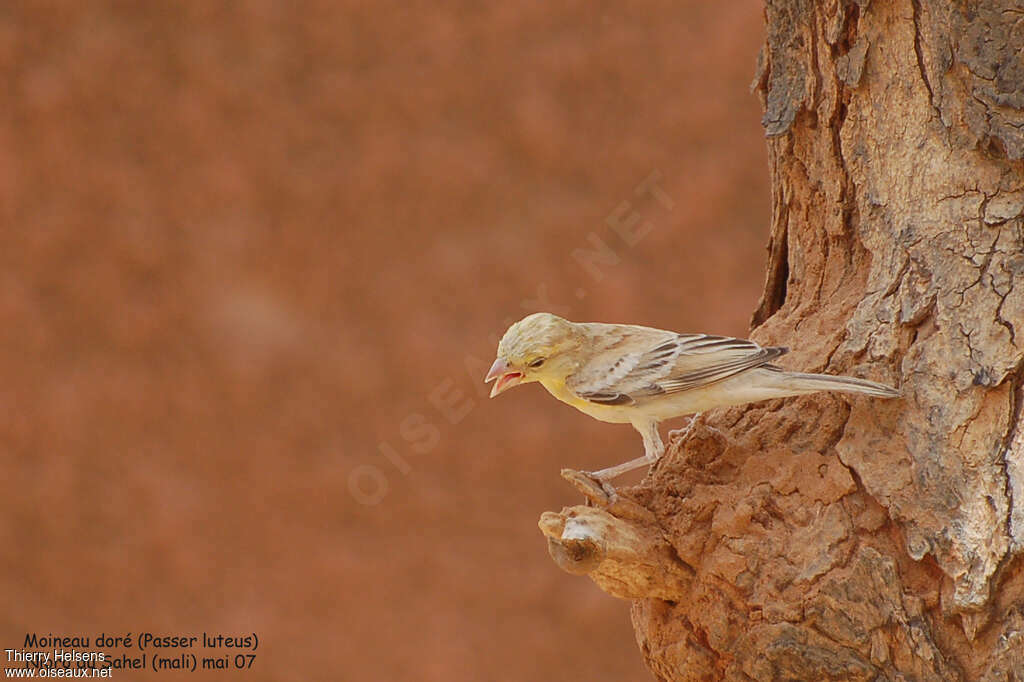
<point x="785" y="72"/>
<point x="949" y="442"/>
<point x="786" y="68"/>
<point x="788" y="652"/>
<point x="946" y="301"/>
<point x="862" y="608"/>
<point x="1003" y="207"/>
<point x="1004" y="661"/>
<point x="1013" y="462"/>
<point x="970" y="56"/>
<point x="850" y="66"/>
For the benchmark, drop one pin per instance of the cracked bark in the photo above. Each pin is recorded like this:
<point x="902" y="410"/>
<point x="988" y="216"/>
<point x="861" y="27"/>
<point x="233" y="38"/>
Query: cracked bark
<point x="852" y="539"/>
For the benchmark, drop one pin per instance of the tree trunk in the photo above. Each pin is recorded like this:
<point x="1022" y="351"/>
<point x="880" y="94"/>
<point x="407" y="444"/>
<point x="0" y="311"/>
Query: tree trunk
<point x="835" y="538"/>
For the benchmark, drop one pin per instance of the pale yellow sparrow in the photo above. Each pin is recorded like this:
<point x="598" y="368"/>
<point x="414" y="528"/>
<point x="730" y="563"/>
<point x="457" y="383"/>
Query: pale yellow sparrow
<point x="626" y="374"/>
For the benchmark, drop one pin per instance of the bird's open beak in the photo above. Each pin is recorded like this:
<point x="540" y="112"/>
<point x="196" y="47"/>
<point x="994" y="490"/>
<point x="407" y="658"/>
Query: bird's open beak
<point x="506" y="377"/>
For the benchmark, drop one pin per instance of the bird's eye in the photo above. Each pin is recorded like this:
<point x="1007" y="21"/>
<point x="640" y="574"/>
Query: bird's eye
<point x="536" y="363"/>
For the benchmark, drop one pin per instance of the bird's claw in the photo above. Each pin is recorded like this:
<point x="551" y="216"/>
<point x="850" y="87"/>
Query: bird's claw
<point x="596" y="490"/>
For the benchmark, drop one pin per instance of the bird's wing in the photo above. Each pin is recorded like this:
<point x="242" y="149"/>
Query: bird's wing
<point x="633" y="363"/>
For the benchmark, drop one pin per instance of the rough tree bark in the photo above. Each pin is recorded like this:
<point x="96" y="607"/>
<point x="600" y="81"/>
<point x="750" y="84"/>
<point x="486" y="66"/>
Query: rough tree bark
<point x="827" y="538"/>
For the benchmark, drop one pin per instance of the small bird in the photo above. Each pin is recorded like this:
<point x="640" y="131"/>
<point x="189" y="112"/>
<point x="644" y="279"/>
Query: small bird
<point x="627" y="374"/>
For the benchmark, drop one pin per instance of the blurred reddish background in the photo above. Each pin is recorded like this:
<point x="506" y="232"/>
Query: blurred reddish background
<point x="243" y="247"/>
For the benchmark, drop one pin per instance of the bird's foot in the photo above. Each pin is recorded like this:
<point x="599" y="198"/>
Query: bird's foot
<point x="597" y="490"/>
<point x="600" y="493"/>
<point x="685" y="432"/>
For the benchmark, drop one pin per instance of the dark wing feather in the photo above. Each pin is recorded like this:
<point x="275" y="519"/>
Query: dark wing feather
<point x="638" y="363"/>
<point x="608" y="398"/>
<point x="720" y="370"/>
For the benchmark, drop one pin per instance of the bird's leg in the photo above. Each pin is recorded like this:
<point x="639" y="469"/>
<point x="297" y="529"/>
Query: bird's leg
<point x="596" y="485"/>
<point x="653" y="450"/>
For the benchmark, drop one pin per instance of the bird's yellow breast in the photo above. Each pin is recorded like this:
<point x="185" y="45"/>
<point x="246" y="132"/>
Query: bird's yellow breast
<point x="614" y="414"/>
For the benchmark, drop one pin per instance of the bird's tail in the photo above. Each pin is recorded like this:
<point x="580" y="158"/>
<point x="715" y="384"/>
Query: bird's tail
<point x="799" y="382"/>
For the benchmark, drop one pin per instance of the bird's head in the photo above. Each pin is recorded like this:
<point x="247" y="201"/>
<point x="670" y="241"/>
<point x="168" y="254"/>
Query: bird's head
<point x="537" y="347"/>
